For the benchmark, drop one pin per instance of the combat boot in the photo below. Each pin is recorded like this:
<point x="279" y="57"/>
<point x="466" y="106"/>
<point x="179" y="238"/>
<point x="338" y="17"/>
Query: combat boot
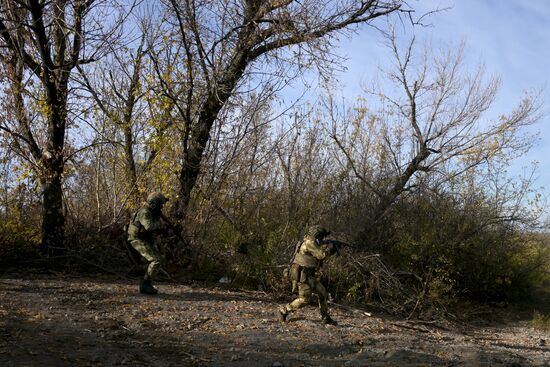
<point x="327" y="320"/>
<point x="282" y="314"/>
<point x="146" y="287"/>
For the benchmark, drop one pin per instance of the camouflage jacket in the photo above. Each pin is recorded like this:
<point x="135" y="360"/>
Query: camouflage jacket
<point x="310" y="253"/>
<point x="144" y="224"/>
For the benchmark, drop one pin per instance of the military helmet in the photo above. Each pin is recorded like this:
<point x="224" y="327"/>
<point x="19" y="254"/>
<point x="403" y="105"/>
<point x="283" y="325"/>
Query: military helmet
<point x="156" y="199"/>
<point x="317" y="231"/>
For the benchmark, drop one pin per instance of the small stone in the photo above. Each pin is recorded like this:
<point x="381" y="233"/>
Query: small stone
<point x="277" y="364"/>
<point x="224" y="280"/>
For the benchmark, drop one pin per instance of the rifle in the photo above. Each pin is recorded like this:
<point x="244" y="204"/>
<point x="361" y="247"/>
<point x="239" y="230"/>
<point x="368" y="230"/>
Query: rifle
<point x="176" y="229"/>
<point x="336" y="245"/>
<point x="175" y="250"/>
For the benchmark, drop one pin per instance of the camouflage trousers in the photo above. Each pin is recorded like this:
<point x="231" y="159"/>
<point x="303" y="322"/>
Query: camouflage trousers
<point x="305" y="292"/>
<point x="151" y="254"/>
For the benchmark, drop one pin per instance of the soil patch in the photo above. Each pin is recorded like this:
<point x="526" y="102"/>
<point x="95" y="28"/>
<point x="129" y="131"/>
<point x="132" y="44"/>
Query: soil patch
<point x="75" y="321"/>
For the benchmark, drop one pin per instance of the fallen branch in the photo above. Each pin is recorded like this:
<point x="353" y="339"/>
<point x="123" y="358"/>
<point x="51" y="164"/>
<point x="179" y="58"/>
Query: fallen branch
<point x="352" y="309"/>
<point x="415" y="328"/>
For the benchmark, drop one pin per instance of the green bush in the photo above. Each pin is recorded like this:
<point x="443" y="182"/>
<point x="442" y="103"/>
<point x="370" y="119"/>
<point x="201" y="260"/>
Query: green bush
<point x="541" y="321"/>
<point x="18" y="241"/>
<point x="460" y="251"/>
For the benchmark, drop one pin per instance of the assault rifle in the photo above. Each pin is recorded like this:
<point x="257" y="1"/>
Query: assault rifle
<point x="334" y="246"/>
<point x="177" y="250"/>
<point x="175" y="228"/>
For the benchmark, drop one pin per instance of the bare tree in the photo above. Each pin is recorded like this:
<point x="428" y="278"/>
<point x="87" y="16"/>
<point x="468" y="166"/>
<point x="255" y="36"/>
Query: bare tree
<point x="433" y="126"/>
<point x="227" y="42"/>
<point x="116" y="88"/>
<point x="43" y="42"/>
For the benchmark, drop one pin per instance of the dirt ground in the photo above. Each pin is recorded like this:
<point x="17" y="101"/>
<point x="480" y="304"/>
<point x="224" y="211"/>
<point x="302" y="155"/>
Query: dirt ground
<point x="53" y="320"/>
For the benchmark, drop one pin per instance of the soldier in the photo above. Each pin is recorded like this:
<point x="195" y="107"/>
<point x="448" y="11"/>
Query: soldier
<point x="308" y="258"/>
<point x="142" y="230"/>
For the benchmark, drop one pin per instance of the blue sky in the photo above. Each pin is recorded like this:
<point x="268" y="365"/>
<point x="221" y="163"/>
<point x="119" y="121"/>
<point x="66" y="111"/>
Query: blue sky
<point x="510" y="37"/>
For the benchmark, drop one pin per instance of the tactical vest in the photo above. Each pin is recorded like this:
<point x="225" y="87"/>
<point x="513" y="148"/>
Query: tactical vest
<point x="305" y="260"/>
<point x="136" y="230"/>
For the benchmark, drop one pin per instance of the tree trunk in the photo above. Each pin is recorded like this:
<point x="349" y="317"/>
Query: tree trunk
<point x="193" y="157"/>
<point x="130" y="167"/>
<point x="201" y="133"/>
<point x="53" y="219"/>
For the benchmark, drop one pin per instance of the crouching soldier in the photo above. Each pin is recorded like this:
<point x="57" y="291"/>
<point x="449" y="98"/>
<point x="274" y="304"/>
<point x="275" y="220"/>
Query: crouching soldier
<point x="144" y="227"/>
<point x="308" y="258"/>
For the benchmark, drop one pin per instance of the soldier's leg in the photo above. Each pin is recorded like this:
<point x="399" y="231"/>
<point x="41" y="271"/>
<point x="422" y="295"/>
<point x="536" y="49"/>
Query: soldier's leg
<point x="150" y="253"/>
<point x="304" y="296"/>
<point x="322" y="293"/>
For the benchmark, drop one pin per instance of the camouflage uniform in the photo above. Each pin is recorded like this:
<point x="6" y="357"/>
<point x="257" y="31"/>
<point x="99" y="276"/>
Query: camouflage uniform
<point x="141" y="233"/>
<point x="303" y="272"/>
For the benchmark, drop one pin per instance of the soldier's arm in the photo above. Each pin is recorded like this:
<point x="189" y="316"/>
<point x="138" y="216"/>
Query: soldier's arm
<point x="331" y="247"/>
<point x="316" y="251"/>
<point x="148" y="222"/>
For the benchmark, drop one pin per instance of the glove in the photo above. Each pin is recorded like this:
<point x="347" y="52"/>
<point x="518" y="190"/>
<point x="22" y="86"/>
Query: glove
<point x="331" y="249"/>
